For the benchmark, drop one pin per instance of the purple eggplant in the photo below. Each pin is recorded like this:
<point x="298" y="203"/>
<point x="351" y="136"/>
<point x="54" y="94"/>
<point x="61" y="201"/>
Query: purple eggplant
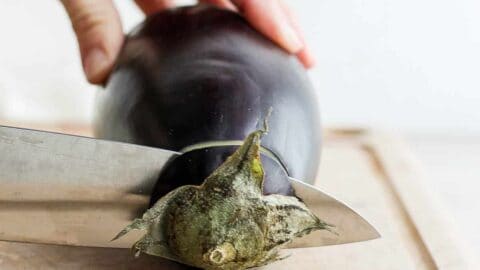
<point x="199" y="74"/>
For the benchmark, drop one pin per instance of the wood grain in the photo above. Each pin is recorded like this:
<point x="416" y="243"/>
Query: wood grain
<point x="370" y="171"/>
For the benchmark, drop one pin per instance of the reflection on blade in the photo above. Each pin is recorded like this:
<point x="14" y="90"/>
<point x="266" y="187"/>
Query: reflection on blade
<point x="62" y="189"/>
<point x="349" y="226"/>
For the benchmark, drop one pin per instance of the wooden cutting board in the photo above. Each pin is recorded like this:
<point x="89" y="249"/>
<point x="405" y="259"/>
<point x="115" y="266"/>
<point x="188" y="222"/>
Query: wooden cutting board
<point x="370" y="171"/>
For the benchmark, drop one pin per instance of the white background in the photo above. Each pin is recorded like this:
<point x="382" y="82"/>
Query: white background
<point x="411" y="66"/>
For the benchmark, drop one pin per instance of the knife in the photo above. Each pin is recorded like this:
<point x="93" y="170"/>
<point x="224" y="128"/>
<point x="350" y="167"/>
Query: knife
<point x="72" y="190"/>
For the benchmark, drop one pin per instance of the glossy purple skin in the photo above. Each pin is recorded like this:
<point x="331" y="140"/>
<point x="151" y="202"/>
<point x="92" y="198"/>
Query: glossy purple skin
<point x="199" y="74"/>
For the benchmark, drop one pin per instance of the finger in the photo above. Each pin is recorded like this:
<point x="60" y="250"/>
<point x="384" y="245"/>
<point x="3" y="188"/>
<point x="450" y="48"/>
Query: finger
<point x="267" y="16"/>
<point x="99" y="33"/>
<point x="305" y="55"/>
<point x="226" y="4"/>
<point x="153" y="6"/>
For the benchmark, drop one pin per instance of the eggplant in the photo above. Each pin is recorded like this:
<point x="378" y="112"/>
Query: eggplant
<point x="199" y="74"/>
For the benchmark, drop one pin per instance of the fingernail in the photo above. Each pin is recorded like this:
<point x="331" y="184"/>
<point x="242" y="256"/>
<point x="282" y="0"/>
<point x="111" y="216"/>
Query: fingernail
<point x="95" y="64"/>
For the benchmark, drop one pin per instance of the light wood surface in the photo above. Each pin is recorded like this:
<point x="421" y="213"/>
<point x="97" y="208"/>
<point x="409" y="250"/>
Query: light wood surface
<point x="370" y="171"/>
<point x="451" y="164"/>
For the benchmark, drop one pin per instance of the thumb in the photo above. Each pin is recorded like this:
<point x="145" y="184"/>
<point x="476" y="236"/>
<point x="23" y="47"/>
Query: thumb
<point x="99" y="33"/>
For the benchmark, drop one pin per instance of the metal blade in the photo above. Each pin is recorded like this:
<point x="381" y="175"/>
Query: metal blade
<point x="63" y="189"/>
<point x="348" y="225"/>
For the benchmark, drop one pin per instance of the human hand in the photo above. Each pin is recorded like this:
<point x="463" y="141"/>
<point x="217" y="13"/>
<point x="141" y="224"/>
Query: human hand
<point x="99" y="31"/>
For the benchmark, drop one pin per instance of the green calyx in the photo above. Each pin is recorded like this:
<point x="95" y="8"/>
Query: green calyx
<point x="226" y="223"/>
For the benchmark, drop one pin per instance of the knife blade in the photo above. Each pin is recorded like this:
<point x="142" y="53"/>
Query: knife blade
<point x="349" y="226"/>
<point x="72" y="190"/>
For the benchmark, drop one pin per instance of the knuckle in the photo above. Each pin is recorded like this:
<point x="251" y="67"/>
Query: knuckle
<point x="86" y="22"/>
